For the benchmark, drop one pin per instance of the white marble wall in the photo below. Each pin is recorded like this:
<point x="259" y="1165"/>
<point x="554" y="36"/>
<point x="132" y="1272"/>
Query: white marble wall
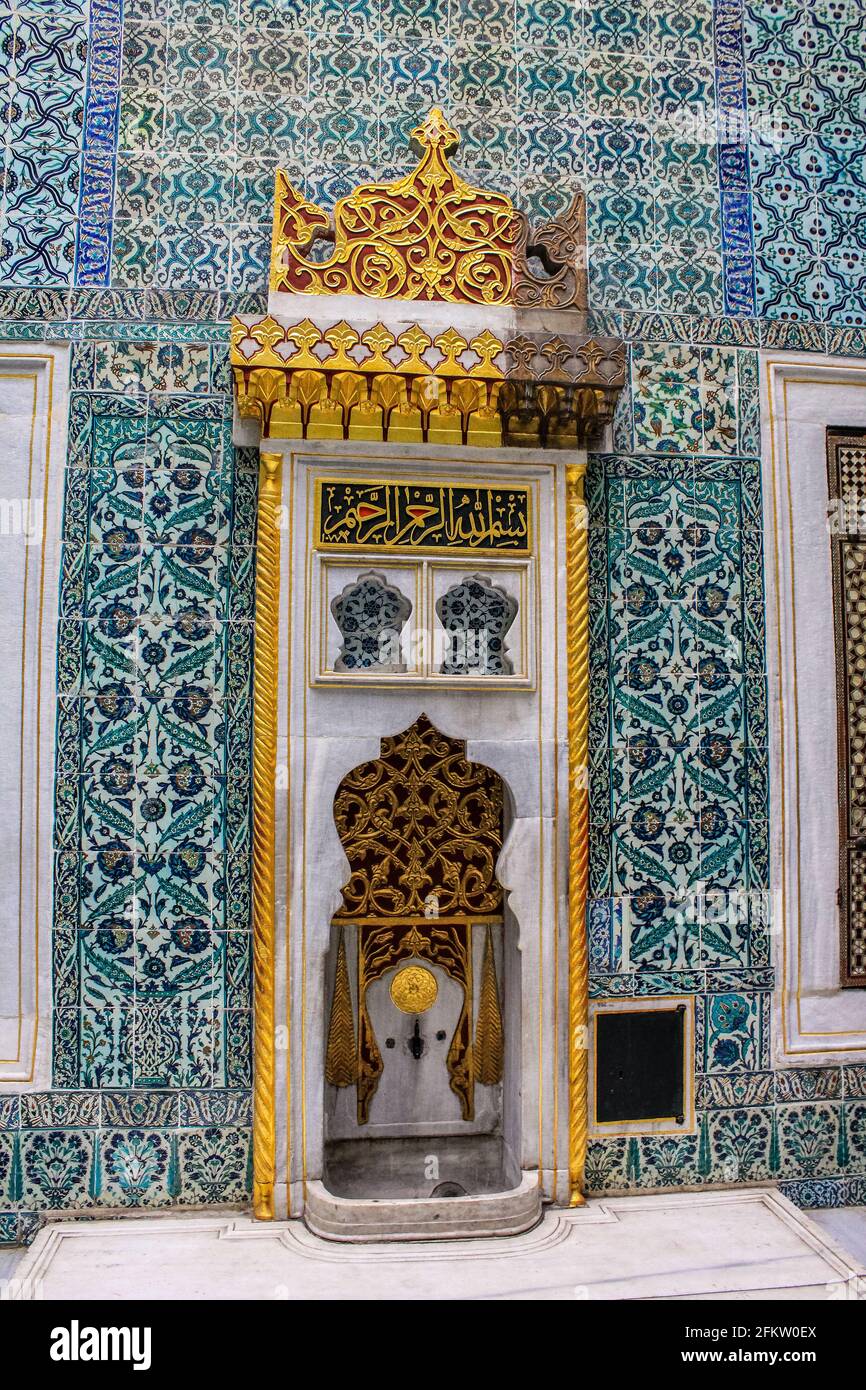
<point x="817" y="1022"/>
<point x="520" y="732"/>
<point x="33" y="403"/>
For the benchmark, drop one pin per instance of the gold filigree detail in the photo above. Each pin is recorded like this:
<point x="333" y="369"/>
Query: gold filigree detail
<point x="420" y="823"/>
<point x="341" y="1058"/>
<point x="429" y="235"/>
<point x="422" y="828"/>
<point x="414" y="989"/>
<point x="264" y="781"/>
<point x="489" y="1035"/>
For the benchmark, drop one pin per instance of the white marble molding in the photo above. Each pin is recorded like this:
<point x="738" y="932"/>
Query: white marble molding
<point x="719" y="1246"/>
<point x="33" y="407"/>
<point x="802" y="396"/>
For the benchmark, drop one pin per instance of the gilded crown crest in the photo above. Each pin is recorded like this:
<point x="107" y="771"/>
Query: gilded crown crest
<point x="427" y="236"/>
<point x="486" y="372"/>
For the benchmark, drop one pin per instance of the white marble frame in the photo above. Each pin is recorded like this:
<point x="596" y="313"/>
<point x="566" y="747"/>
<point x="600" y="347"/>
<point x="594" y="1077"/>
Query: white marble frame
<point x="802" y="395"/>
<point x="745" y="1244"/>
<point x="520" y="733"/>
<point x="422" y="580"/>
<point x="333" y="575"/>
<point x="27" y="1062"/>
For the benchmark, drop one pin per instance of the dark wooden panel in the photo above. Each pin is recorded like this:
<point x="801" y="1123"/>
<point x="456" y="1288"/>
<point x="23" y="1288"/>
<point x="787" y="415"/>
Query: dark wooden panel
<point x="846" y="478"/>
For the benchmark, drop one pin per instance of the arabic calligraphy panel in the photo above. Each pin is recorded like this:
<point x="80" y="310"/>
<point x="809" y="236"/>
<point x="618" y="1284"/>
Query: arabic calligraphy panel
<point x="425" y="517"/>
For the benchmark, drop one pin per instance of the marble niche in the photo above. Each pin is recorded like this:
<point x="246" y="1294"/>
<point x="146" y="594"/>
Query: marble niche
<point x="373" y="639"/>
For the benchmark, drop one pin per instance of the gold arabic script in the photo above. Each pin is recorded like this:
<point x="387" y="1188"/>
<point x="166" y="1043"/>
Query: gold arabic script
<point x="419" y="516"/>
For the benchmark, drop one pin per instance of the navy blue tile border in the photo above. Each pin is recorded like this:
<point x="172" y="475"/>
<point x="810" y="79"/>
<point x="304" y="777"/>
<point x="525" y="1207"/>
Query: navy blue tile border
<point x="99" y="151"/>
<point x="738" y="265"/>
<point x="821" y="1193"/>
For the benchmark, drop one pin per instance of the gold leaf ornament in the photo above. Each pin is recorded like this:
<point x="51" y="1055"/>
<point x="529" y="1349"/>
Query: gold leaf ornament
<point x="414" y="989"/>
<point x="341" y="1057"/>
<point x="489" y="1034"/>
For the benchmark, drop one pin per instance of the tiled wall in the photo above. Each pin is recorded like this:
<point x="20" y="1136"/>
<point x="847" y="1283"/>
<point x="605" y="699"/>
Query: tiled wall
<point x="807" y="79"/>
<point x="141" y="138"/>
<point x="43" y="62"/>
<point x="75" y="1149"/>
<point x="151" y="940"/>
<point x="152" y="928"/>
<point x="140" y="143"/>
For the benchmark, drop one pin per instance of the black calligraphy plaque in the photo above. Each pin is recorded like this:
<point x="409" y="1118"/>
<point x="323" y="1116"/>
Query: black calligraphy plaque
<point x="639" y="1065"/>
<point x="435" y="517"/>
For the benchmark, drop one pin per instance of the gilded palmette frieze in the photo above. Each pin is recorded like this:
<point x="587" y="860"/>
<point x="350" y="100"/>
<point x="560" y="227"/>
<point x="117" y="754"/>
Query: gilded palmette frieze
<point x="335" y="347"/>
<point x="531" y="354"/>
<point x="303" y="381"/>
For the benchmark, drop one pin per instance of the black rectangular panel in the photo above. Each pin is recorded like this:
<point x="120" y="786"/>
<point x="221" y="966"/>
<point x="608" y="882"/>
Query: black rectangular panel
<point x="361" y="514"/>
<point x="639" y="1065"/>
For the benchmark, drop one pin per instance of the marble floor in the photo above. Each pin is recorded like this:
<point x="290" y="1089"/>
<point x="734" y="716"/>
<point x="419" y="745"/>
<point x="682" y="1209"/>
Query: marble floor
<point x="712" y="1245"/>
<point x="847" y="1227"/>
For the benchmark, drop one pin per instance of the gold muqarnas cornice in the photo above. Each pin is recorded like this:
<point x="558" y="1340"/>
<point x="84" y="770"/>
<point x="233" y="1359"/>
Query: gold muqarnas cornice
<point x="511" y="362"/>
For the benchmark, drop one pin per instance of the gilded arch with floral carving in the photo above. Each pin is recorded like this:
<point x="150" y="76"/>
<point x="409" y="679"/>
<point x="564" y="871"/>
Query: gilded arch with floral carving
<point x="422" y="828"/>
<point x="420" y="822"/>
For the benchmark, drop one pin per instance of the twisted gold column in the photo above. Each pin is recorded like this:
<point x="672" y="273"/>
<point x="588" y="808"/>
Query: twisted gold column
<point x="577" y="624"/>
<point x="264" y="783"/>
